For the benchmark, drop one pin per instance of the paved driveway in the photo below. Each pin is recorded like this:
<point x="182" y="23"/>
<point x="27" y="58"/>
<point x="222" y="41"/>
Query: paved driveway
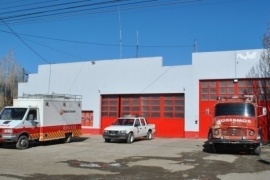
<point x="160" y="158"/>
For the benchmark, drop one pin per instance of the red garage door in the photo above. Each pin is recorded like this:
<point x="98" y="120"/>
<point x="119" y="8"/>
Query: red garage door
<point x="166" y="111"/>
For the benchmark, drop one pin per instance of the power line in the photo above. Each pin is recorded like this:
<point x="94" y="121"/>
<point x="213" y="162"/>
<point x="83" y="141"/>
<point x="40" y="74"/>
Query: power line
<point x="24" y="42"/>
<point x="103" y="44"/>
<point x="101" y="7"/>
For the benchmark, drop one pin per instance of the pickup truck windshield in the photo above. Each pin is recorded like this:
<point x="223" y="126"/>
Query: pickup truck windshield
<point x="237" y="109"/>
<point x="124" y="122"/>
<point x="13" y="113"/>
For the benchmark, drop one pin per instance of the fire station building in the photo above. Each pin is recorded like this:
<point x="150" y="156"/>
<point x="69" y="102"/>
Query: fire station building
<point x="172" y="97"/>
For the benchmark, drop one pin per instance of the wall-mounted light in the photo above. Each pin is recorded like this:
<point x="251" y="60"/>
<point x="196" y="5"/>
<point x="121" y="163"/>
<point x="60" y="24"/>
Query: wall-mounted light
<point x="235" y="81"/>
<point x="93" y="62"/>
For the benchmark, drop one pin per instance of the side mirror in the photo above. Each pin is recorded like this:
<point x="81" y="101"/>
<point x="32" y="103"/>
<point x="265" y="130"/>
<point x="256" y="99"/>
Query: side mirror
<point x="264" y="111"/>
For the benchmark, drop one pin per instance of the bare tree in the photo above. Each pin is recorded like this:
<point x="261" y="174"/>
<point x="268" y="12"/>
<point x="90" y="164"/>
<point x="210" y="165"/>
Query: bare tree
<point x="259" y="76"/>
<point x="11" y="73"/>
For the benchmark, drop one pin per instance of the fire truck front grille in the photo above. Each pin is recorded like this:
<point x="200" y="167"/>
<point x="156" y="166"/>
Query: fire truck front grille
<point x="234" y="132"/>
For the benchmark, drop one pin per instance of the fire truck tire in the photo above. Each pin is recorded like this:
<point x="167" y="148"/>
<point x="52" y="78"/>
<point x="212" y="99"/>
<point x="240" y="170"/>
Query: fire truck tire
<point x="23" y="142"/>
<point x="68" y="138"/>
<point x="130" y="138"/>
<point x="149" y="135"/>
<point x="257" y="150"/>
<point x="210" y="136"/>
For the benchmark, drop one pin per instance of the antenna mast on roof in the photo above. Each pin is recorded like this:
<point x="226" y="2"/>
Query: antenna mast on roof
<point x="195" y="45"/>
<point x="120" y="32"/>
<point x="137" y="46"/>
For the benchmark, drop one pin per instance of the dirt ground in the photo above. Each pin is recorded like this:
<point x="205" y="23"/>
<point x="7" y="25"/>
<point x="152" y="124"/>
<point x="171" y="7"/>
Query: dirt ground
<point x="90" y="158"/>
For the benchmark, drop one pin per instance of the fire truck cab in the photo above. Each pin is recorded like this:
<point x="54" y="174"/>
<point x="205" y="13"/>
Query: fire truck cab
<point x="236" y="122"/>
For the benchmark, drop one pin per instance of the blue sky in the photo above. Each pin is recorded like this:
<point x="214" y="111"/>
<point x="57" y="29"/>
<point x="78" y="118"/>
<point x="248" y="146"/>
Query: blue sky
<point x="164" y="28"/>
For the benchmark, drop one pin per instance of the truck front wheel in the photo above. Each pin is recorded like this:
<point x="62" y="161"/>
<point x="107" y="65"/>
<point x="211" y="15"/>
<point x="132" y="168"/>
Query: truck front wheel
<point x="257" y="150"/>
<point x="107" y="140"/>
<point x="130" y="138"/>
<point x="149" y="135"/>
<point x="23" y="142"/>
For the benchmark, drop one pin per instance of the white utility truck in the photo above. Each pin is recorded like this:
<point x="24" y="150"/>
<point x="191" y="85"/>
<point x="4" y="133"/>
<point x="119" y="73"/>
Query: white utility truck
<point x="128" y="128"/>
<point x="41" y="117"/>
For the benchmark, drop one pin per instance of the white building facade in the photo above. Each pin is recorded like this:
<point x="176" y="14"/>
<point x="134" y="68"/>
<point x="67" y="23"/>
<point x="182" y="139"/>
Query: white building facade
<point x="169" y="95"/>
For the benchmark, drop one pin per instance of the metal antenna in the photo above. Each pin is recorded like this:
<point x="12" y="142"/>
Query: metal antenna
<point x="195" y="45"/>
<point x="120" y="32"/>
<point x="137" y="46"/>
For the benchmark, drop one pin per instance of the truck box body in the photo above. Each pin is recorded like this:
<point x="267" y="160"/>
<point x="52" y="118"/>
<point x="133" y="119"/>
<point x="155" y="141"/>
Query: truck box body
<point x="41" y="118"/>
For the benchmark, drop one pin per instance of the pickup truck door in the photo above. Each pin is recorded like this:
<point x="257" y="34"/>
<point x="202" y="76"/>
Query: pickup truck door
<point x="137" y="128"/>
<point x="144" y="129"/>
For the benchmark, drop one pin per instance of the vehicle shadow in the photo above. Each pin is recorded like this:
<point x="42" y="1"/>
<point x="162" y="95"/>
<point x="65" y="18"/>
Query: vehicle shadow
<point x="125" y="141"/>
<point x="33" y="144"/>
<point x="208" y="147"/>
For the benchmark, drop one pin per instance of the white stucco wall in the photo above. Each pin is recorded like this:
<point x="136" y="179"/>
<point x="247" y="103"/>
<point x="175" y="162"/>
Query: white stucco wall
<point x="125" y="76"/>
<point x="140" y="76"/>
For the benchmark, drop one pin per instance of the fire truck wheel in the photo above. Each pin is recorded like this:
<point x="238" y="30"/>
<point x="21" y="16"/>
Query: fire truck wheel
<point x="68" y="138"/>
<point x="130" y="138"/>
<point x="210" y="136"/>
<point x="257" y="150"/>
<point x="149" y="135"/>
<point x="22" y="142"/>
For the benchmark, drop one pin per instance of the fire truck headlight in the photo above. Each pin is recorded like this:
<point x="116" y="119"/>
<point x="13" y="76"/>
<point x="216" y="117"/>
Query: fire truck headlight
<point x="251" y="133"/>
<point x="8" y="131"/>
<point x="216" y="132"/>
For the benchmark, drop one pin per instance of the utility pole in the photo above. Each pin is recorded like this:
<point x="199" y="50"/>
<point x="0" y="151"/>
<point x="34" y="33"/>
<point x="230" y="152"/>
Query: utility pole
<point x="195" y="45"/>
<point x="120" y="32"/>
<point x="137" y="45"/>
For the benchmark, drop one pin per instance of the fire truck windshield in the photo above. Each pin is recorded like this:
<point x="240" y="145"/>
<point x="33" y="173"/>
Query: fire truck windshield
<point x="237" y="109"/>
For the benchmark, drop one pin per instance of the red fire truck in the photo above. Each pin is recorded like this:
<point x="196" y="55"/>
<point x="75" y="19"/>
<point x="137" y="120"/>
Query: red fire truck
<point x="236" y="123"/>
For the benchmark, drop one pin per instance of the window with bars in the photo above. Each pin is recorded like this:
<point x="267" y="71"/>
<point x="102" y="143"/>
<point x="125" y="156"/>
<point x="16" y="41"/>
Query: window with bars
<point x="226" y="88"/>
<point x="208" y="90"/>
<point x="130" y="105"/>
<point x="109" y="106"/>
<point x="150" y="105"/>
<point x="174" y="106"/>
<point x="262" y="88"/>
<point x="245" y="87"/>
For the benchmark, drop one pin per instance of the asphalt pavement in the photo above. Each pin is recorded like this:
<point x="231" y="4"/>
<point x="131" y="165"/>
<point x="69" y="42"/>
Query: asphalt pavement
<point x="89" y="157"/>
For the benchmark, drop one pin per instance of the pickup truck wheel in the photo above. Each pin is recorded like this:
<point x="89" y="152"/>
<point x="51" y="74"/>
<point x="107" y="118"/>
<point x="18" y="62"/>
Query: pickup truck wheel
<point x="23" y="142"/>
<point x="130" y="138"/>
<point x="107" y="140"/>
<point x="149" y="135"/>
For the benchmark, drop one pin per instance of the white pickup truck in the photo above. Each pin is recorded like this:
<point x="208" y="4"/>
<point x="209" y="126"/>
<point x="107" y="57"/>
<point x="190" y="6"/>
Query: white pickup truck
<point x="128" y="128"/>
